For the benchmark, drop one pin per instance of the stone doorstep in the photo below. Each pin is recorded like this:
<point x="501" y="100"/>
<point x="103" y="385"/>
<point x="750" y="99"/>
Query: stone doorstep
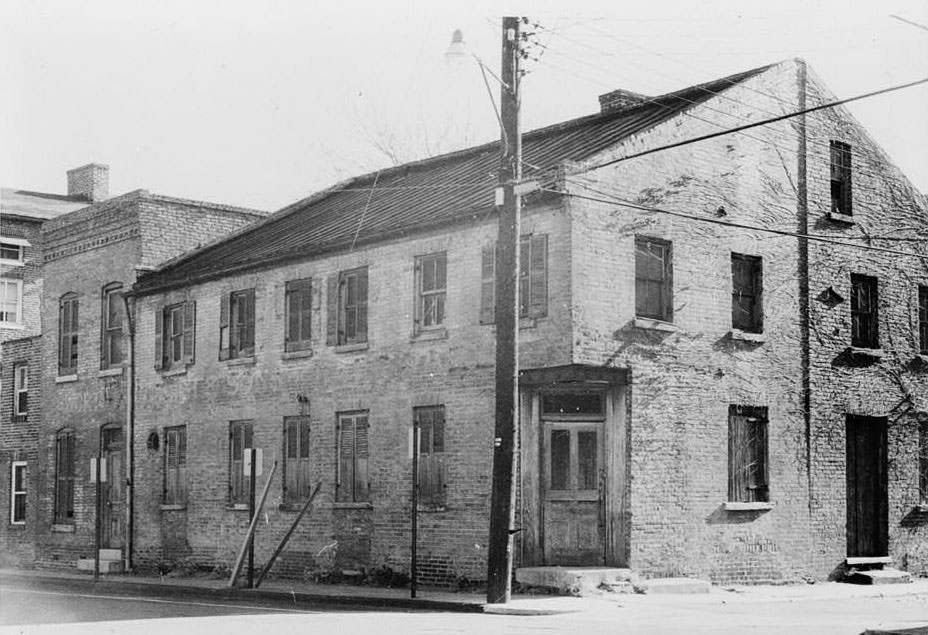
<point x="572" y="581"/>
<point x="111" y="554"/>
<point x="879" y="576"/>
<point x="676" y="585"/>
<point x="106" y="566"/>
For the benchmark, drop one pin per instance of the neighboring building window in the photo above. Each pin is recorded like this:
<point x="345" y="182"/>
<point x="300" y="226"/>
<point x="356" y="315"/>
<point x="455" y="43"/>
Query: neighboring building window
<point x="429" y="422"/>
<point x="864" y="316"/>
<point x="747" y="454"/>
<point x="653" y="279"/>
<point x="533" y="279"/>
<point x="11" y="253"/>
<point x="840" y="177"/>
<point x="111" y="344"/>
<point x="18" y="493"/>
<point x="296" y="459"/>
<point x="65" y="459"/>
<point x="923" y="320"/>
<point x="747" y="286"/>
<point x="11" y="302"/>
<point x="241" y="438"/>
<point x="299" y="300"/>
<point x="352" y="477"/>
<point x="20" y="389"/>
<point x="175" y="335"/>
<point x="237" y="325"/>
<point x="431" y="290"/>
<point x="347" y="308"/>
<point x="175" y="466"/>
<point x="923" y="460"/>
<point x="67" y="334"/>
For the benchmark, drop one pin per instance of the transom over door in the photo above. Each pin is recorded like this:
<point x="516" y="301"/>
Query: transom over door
<point x="574" y="531"/>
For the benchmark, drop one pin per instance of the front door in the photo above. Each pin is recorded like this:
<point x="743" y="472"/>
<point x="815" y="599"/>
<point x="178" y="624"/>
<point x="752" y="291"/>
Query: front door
<point x="112" y="491"/>
<point x="572" y="493"/>
<point x="867" y="493"/>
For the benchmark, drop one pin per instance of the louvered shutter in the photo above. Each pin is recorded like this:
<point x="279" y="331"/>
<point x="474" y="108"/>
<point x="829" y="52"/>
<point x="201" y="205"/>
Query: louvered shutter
<point x="538" y="276"/>
<point x="190" y="321"/>
<point x="488" y="285"/>
<point x="159" y="338"/>
<point x="361" y="335"/>
<point x="331" y="313"/>
<point x="345" y="459"/>
<point x="224" y="330"/>
<point x="170" y="467"/>
<point x="361" y="481"/>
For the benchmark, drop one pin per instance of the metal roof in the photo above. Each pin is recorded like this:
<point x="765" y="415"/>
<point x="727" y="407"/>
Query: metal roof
<point x="38" y="205"/>
<point x="412" y="197"/>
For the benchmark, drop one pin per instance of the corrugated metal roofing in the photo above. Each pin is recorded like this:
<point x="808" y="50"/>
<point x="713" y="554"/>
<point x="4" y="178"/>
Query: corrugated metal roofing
<point x="409" y="197"/>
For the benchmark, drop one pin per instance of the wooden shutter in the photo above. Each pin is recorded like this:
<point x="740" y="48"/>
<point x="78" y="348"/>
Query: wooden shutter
<point x="305" y="476"/>
<point x="224" y="330"/>
<point x="667" y="285"/>
<point x="737" y="483"/>
<point x="488" y="285"/>
<point x="159" y="338"/>
<point x="190" y="322"/>
<point x="345" y="473"/>
<point x="104" y="335"/>
<point x="291" y="460"/>
<point x="361" y="481"/>
<point x="538" y="277"/>
<point x="331" y="312"/>
<point x="362" y="306"/>
<point x="247" y="334"/>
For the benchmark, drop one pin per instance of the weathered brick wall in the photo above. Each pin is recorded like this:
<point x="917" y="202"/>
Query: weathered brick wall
<point x="683" y="381"/>
<point x="394" y="374"/>
<point x="30" y="273"/>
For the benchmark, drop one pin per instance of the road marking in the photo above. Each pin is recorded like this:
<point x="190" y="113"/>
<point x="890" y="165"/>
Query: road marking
<point x="155" y="601"/>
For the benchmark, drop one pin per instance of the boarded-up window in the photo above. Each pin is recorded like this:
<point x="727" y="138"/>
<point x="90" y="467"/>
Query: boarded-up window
<point x="429" y="422"/>
<point x="299" y="301"/>
<point x="840" y="177"/>
<point x="175" y="335"/>
<point x="111" y="335"/>
<point x="746" y="293"/>
<point x="175" y="466"/>
<point x="747" y="454"/>
<point x="296" y="460"/>
<point x="67" y="334"/>
<point x="241" y="438"/>
<point x="237" y="325"/>
<point x="431" y="290"/>
<point x="864" y="314"/>
<point x="923" y="320"/>
<point x="352" y="483"/>
<point x="533" y="279"/>
<point x="65" y="459"/>
<point x="653" y="279"/>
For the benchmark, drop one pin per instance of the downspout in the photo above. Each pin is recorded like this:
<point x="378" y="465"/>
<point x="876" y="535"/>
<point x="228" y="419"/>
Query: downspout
<point x="130" y="431"/>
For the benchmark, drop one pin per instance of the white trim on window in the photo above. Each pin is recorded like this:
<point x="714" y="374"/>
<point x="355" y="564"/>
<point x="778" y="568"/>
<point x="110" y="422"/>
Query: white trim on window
<point x="12" y="307"/>
<point x="17" y="493"/>
<point x="20" y="389"/>
<point x="19" y="244"/>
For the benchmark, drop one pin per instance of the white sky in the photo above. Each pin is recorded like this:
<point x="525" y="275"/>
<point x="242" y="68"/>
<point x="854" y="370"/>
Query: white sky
<point x="262" y="103"/>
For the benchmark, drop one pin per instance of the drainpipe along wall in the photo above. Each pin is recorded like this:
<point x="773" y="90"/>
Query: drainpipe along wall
<point x="130" y="430"/>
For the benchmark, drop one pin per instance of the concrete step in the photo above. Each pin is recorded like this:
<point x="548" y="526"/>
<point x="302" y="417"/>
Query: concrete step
<point x="111" y="554"/>
<point x="675" y="585"/>
<point x="879" y="576"/>
<point x="576" y="580"/>
<point x="106" y="566"/>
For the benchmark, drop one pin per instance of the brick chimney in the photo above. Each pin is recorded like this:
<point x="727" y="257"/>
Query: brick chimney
<point x="90" y="182"/>
<point x="620" y="100"/>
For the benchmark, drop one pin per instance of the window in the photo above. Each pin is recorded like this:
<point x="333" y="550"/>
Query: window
<point x="241" y="438"/>
<point x="923" y="320"/>
<point x="175" y="466"/>
<point x="747" y="454"/>
<point x="299" y="300"/>
<point x="573" y="456"/>
<point x="864" y="318"/>
<point x="11" y="302"/>
<point x="237" y="325"/>
<point x="429" y="423"/>
<point x="296" y="460"/>
<point x="747" y="286"/>
<point x="65" y="459"/>
<point x="18" y="493"/>
<point x="175" y="335"/>
<point x="653" y="279"/>
<point x="840" y="178"/>
<point x="351" y="485"/>
<point x="12" y="251"/>
<point x="20" y="389"/>
<point x="111" y="340"/>
<point x="533" y="279"/>
<point x="431" y="290"/>
<point x="923" y="460"/>
<point x="347" y="308"/>
<point x="67" y="334"/>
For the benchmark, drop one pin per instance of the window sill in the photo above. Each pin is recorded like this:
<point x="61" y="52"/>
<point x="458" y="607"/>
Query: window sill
<point x="13" y="326"/>
<point x="111" y="372"/>
<point x="745" y="336"/>
<point x="65" y="379"/>
<point x="655" y="325"/>
<point x="362" y="505"/>
<point x="297" y="354"/>
<point x="171" y="372"/>
<point x="731" y="506"/>
<point x="19" y="418"/>
<point x="62" y="529"/>
<point x="430" y="335"/>
<point x="241" y="361"/>
<point x="869" y="353"/>
<point x="237" y="507"/>
<point x="19" y="525"/>
<point x="173" y="508"/>
<point x="844" y="219"/>
<point x="351" y="348"/>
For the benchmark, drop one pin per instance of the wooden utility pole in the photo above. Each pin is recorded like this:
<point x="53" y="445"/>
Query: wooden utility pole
<point x="502" y="501"/>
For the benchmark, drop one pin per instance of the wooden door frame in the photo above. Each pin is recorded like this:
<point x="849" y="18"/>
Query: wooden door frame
<point x="881" y="497"/>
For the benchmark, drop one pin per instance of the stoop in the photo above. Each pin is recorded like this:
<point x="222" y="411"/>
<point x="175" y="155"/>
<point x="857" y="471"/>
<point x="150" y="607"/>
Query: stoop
<point x="110" y="562"/>
<point x="576" y="580"/>
<point x="879" y="576"/>
<point x="675" y="585"/>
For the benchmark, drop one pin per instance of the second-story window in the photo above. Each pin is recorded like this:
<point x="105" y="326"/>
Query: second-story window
<point x="20" y="389"/>
<point x="111" y="336"/>
<point x="299" y="300"/>
<point x="747" y="285"/>
<point x="347" y="308"/>
<point x="653" y="279"/>
<point x="923" y="320"/>
<point x="175" y="336"/>
<point x="431" y="290"/>
<point x="237" y="325"/>
<point x="840" y="178"/>
<point x="533" y="279"/>
<point x="11" y="302"/>
<point x="864" y="314"/>
<point x="67" y="334"/>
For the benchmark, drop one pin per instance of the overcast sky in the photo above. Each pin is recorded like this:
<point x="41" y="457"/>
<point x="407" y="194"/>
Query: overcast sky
<point x="262" y="103"/>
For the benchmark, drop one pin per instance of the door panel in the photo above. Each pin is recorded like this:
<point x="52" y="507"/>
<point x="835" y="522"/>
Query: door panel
<point x="112" y="491"/>
<point x="867" y="491"/>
